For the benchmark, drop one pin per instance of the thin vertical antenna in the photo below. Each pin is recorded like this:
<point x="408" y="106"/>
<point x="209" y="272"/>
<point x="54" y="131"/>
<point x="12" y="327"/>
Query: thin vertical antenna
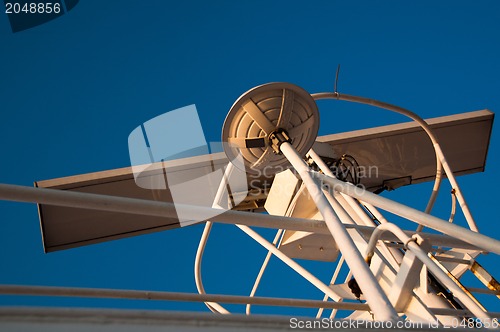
<point x="336" y="79"/>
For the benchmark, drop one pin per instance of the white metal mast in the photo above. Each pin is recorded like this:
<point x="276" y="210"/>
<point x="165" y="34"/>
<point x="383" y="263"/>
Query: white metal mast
<point x="320" y="212"/>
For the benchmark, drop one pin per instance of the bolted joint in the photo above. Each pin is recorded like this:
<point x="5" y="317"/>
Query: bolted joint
<point x="278" y="137"/>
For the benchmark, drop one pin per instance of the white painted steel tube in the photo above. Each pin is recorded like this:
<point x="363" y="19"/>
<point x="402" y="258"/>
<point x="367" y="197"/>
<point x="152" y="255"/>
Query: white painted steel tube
<point x="337" y="206"/>
<point x="376" y="298"/>
<point x="262" y="269"/>
<point x="153" y="208"/>
<point x="353" y="204"/>
<point x="136" y="206"/>
<point x="290" y="262"/>
<point x="395" y="253"/>
<point x="145" y="207"/>
<point x="222" y="186"/>
<point x="424" y="258"/>
<point x="458" y="191"/>
<point x="464" y="234"/>
<point x="440" y="158"/>
<point x="172" y="296"/>
<point x="376" y="213"/>
<point x="332" y="282"/>
<point x="213" y="306"/>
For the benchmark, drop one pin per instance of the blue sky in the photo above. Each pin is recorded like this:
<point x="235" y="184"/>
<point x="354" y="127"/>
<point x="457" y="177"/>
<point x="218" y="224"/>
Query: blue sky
<point x="74" y="88"/>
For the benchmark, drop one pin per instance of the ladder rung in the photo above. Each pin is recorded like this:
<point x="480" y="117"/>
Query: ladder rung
<point x="453" y="259"/>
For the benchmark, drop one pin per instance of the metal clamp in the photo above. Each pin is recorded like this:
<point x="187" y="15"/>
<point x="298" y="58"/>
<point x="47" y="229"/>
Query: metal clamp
<point x="278" y="137"/>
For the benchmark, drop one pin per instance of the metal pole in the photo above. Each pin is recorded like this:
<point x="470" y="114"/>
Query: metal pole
<point x="136" y="206"/>
<point x="213" y="306"/>
<point x="440" y="158"/>
<point x="145" y="207"/>
<point x="263" y="242"/>
<point x="387" y="252"/>
<point x="259" y="239"/>
<point x="377" y="299"/>
<point x="332" y="282"/>
<point x="173" y="296"/>
<point x="436" y="270"/>
<point x="153" y="208"/>
<point x="464" y="234"/>
<point x="357" y="209"/>
<point x="263" y="269"/>
<point x="291" y="263"/>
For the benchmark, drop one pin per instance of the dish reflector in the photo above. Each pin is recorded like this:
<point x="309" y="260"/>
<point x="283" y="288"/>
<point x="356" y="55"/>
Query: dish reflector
<point x="262" y="111"/>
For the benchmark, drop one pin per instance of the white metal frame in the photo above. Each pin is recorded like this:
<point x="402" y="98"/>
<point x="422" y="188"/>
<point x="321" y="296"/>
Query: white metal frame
<point x="331" y="209"/>
<point x="334" y="209"/>
<point x="411" y="244"/>
<point x="441" y="163"/>
<point x="377" y="299"/>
